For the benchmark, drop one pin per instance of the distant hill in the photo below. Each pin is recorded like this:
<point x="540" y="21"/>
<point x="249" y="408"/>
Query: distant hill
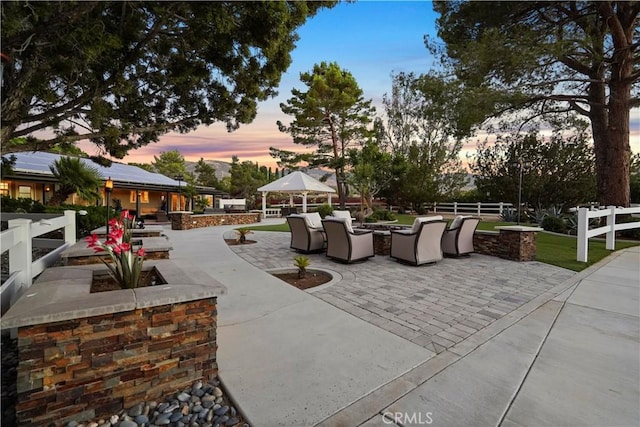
<point x="222" y="168"/>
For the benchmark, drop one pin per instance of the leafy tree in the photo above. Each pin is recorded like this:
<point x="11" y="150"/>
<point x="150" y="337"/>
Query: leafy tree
<point x="206" y="174"/>
<point x="543" y="59"/>
<point x="331" y="115"/>
<point x="171" y="163"/>
<point x="245" y="180"/>
<point x="370" y="172"/>
<point x="123" y="73"/>
<point x="558" y="171"/>
<point x="421" y="134"/>
<point x="146" y="166"/>
<point x="67" y="149"/>
<point x="74" y="176"/>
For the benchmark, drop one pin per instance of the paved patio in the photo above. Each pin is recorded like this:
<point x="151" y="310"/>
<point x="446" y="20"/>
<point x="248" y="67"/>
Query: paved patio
<point x="434" y="306"/>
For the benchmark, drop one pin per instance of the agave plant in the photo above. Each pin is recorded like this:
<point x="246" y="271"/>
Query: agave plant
<point x="302" y="262"/>
<point x="509" y="215"/>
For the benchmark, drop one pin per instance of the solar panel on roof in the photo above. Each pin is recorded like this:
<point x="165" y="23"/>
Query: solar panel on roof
<point x="39" y="162"/>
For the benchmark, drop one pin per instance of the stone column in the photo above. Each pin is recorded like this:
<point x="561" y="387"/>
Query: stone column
<point x="517" y="242"/>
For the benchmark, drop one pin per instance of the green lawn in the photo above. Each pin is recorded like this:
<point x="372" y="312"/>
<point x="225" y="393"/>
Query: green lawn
<point x="552" y="249"/>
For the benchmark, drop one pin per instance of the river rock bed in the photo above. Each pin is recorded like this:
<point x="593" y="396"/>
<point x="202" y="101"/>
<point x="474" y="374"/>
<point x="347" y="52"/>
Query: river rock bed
<point x="204" y="404"/>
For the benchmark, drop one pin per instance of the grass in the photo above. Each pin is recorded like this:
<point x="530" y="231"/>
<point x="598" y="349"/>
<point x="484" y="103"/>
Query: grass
<point x="552" y="249"/>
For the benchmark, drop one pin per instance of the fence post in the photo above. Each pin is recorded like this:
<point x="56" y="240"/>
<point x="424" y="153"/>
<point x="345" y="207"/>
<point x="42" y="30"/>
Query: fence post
<point x="500" y="208"/>
<point x="583" y="228"/>
<point x="455" y="208"/>
<point x="479" y="207"/>
<point x="611" y="223"/>
<point x="70" y="228"/>
<point x="20" y="256"/>
<point x="435" y="207"/>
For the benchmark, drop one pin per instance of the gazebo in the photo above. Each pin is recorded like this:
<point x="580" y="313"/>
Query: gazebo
<point x="295" y="183"/>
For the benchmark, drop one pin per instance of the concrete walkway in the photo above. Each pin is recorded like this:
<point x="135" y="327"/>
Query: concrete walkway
<point x="564" y="353"/>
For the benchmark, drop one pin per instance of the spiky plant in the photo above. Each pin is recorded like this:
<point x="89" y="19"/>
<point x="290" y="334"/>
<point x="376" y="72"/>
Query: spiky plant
<point x="74" y="176"/>
<point x="242" y="235"/>
<point x="302" y="262"/>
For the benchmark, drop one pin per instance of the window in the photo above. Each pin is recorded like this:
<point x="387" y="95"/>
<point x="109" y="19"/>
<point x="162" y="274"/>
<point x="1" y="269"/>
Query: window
<point x="144" y="196"/>
<point x="24" y="191"/>
<point x="4" y="188"/>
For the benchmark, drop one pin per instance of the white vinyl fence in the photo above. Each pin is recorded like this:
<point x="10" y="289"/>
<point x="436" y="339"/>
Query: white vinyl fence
<point x="19" y="239"/>
<point x="476" y="208"/>
<point x="584" y="215"/>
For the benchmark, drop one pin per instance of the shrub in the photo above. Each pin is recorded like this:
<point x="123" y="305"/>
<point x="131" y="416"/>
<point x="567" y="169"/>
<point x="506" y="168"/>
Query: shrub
<point x="10" y="204"/>
<point x="325" y="210"/>
<point x="555" y="224"/>
<point x="383" y="215"/>
<point x="633" y="233"/>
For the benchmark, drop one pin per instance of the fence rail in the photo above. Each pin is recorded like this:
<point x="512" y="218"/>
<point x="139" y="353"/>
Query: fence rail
<point x="477" y="208"/>
<point x="584" y="233"/>
<point x="19" y="240"/>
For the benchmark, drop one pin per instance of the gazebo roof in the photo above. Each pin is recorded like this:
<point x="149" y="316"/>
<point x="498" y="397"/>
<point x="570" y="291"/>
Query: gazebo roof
<point x="296" y="182"/>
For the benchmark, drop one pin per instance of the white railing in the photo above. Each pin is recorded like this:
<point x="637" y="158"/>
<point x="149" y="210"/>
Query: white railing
<point x="584" y="215"/>
<point x="477" y="208"/>
<point x="19" y="240"/>
<point x="270" y="212"/>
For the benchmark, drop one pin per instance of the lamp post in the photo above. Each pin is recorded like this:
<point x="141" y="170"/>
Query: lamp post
<point x="521" y="164"/>
<point x="179" y="178"/>
<point x="108" y="187"/>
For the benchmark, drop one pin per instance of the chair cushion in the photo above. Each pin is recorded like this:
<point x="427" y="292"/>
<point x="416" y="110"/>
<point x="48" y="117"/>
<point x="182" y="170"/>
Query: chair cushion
<point x="313" y="219"/>
<point x="346" y="221"/>
<point x="456" y="222"/>
<point x="342" y="214"/>
<point x="420" y="220"/>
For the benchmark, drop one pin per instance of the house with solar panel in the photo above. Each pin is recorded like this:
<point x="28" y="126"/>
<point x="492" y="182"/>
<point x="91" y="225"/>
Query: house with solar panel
<point x="147" y="193"/>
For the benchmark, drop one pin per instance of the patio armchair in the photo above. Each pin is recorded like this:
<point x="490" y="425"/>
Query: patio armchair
<point x="304" y="238"/>
<point x="421" y="244"/>
<point x="343" y="214"/>
<point x="344" y="244"/>
<point x="458" y="238"/>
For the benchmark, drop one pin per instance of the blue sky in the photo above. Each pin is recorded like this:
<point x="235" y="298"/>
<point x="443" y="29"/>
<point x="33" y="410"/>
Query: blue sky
<point x="370" y="39"/>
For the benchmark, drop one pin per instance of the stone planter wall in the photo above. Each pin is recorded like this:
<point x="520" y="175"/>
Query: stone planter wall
<point x="85" y="368"/>
<point x="187" y="221"/>
<point x="84" y="355"/>
<point x="516" y="245"/>
<point x="97" y="259"/>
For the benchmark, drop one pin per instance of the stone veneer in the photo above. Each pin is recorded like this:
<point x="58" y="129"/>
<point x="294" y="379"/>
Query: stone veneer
<point x="187" y="221"/>
<point x="510" y="242"/>
<point x="83" y="356"/>
<point x="95" y="366"/>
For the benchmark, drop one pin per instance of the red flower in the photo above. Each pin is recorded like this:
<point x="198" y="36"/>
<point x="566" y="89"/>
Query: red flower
<point x="117" y="249"/>
<point x="125" y="246"/>
<point x="92" y="240"/>
<point x="140" y="252"/>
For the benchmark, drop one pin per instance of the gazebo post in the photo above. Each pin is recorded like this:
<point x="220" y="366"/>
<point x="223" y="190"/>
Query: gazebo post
<point x="304" y="202"/>
<point x="329" y="198"/>
<point x="264" y="204"/>
<point x="291" y="200"/>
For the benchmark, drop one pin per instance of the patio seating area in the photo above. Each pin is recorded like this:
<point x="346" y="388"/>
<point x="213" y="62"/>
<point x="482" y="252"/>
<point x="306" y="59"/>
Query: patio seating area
<point x="433" y="306"/>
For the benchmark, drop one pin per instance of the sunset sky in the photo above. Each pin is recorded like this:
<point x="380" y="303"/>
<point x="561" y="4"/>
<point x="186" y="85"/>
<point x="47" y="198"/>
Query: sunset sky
<point x="370" y="39"/>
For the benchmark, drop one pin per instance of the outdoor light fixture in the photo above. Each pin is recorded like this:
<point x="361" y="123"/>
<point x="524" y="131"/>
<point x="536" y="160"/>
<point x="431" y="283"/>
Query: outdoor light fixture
<point x="521" y="165"/>
<point x="108" y="187"/>
<point x="179" y="178"/>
